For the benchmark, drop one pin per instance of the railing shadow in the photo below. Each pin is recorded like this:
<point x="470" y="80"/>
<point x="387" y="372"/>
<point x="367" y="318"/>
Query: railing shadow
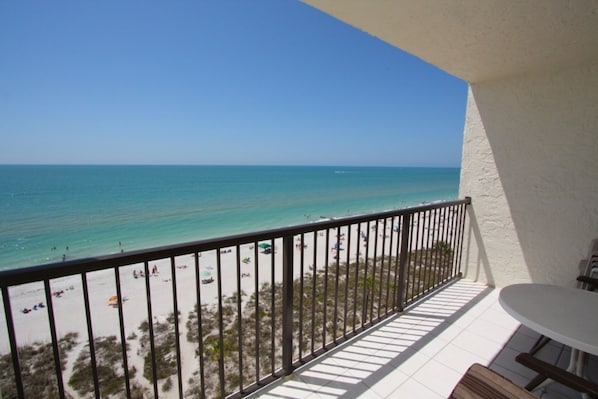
<point x="351" y="369"/>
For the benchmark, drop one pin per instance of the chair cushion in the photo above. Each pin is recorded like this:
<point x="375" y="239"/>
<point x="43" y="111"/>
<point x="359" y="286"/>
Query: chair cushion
<point x="479" y="382"/>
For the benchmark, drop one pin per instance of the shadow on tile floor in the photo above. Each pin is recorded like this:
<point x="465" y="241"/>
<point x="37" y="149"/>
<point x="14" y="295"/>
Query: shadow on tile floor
<point x="376" y="362"/>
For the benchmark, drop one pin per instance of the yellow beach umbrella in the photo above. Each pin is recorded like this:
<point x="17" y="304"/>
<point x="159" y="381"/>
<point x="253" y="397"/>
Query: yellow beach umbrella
<point x="113" y="300"/>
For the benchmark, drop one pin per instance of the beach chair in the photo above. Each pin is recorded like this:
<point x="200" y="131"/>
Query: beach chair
<point x="547" y="370"/>
<point x="479" y="382"/>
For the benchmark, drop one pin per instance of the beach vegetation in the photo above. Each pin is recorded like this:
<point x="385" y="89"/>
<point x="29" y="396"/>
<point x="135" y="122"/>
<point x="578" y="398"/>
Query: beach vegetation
<point x="37" y="369"/>
<point x="328" y="301"/>
<point x="240" y="335"/>
<point x="164" y="349"/>
<point x="167" y="385"/>
<point x="109" y="366"/>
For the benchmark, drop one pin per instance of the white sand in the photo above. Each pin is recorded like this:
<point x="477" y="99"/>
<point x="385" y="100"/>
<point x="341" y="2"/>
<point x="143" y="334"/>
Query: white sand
<point x="69" y="307"/>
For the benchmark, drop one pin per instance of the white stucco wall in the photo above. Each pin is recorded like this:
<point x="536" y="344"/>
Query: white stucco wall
<point x="530" y="164"/>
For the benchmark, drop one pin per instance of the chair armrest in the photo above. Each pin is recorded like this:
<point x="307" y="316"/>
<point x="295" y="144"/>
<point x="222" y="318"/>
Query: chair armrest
<point x="592" y="283"/>
<point x="479" y="382"/>
<point x="558" y="374"/>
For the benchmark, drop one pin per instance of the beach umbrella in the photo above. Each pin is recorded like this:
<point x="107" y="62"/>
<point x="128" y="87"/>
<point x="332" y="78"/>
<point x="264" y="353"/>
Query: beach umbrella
<point x="113" y="300"/>
<point x="205" y="273"/>
<point x="264" y="245"/>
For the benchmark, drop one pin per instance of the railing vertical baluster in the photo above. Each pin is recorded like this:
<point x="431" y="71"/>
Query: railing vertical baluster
<point x="403" y="262"/>
<point x="220" y="324"/>
<point x="336" y="275"/>
<point x="365" y="275"/>
<point x="447" y="248"/>
<point x="199" y="327"/>
<point x="177" y="339"/>
<point x="458" y="238"/>
<point x="257" y="312"/>
<point x="300" y="336"/>
<point x="348" y="264"/>
<point x="13" y="343"/>
<point x="121" y="325"/>
<point x="92" y="353"/>
<point x="439" y="245"/>
<point x="389" y="266"/>
<point x="421" y="249"/>
<point x="382" y="258"/>
<point x="273" y="308"/>
<point x="313" y="293"/>
<point x="456" y="231"/>
<point x="432" y="238"/>
<point x="397" y="255"/>
<point x="445" y="239"/>
<point x="150" y="317"/>
<point x="416" y="248"/>
<point x="374" y="271"/>
<point x="435" y="246"/>
<point x="325" y="314"/>
<point x="356" y="276"/>
<point x="429" y="272"/>
<point x="54" y="337"/>
<point x="239" y="319"/>
<point x="287" y="305"/>
<point x="463" y="214"/>
<point x="458" y="243"/>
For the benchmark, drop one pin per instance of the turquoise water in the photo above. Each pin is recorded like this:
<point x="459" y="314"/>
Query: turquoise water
<point x="78" y="211"/>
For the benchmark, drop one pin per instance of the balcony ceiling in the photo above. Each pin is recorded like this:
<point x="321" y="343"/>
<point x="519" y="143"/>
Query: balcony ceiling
<point x="480" y="40"/>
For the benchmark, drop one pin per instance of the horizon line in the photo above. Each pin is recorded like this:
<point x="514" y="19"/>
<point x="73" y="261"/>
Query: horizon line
<point x="228" y="165"/>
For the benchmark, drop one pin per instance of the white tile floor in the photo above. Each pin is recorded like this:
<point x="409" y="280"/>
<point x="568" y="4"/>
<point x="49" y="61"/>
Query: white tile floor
<point x="424" y="352"/>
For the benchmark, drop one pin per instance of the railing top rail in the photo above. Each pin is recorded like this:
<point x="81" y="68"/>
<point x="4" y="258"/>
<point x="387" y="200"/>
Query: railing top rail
<point x="77" y="266"/>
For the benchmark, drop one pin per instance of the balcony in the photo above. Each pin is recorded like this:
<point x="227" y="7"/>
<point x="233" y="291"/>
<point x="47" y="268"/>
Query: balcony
<point x="424" y="351"/>
<point x="82" y="326"/>
<point x="369" y="306"/>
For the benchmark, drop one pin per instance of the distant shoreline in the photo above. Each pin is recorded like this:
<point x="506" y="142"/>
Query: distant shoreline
<point x="105" y="209"/>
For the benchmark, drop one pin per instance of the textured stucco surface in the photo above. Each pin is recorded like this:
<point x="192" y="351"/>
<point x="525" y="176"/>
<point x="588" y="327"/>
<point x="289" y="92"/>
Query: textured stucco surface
<point x="480" y="40"/>
<point x="530" y="163"/>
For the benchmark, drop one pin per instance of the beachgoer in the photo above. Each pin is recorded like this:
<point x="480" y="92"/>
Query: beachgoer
<point x="135" y="273"/>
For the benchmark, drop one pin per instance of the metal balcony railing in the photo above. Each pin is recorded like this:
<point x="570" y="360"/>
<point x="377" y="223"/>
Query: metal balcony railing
<point x="219" y="317"/>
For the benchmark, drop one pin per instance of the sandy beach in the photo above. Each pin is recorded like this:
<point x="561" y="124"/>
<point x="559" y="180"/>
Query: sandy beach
<point x="69" y="305"/>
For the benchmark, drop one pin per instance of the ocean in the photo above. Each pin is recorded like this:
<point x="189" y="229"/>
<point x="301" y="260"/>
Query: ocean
<point x="47" y="212"/>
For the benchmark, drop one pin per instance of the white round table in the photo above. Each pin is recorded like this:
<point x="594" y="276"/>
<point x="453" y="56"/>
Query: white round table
<point x="567" y="315"/>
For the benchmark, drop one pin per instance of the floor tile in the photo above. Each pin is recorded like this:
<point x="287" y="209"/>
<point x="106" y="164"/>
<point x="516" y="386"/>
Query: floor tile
<point x="425" y="351"/>
<point x="437" y="377"/>
<point x="413" y="389"/>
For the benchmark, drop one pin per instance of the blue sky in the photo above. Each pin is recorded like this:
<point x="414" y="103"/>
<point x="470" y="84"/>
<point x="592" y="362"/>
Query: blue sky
<point x="270" y="82"/>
